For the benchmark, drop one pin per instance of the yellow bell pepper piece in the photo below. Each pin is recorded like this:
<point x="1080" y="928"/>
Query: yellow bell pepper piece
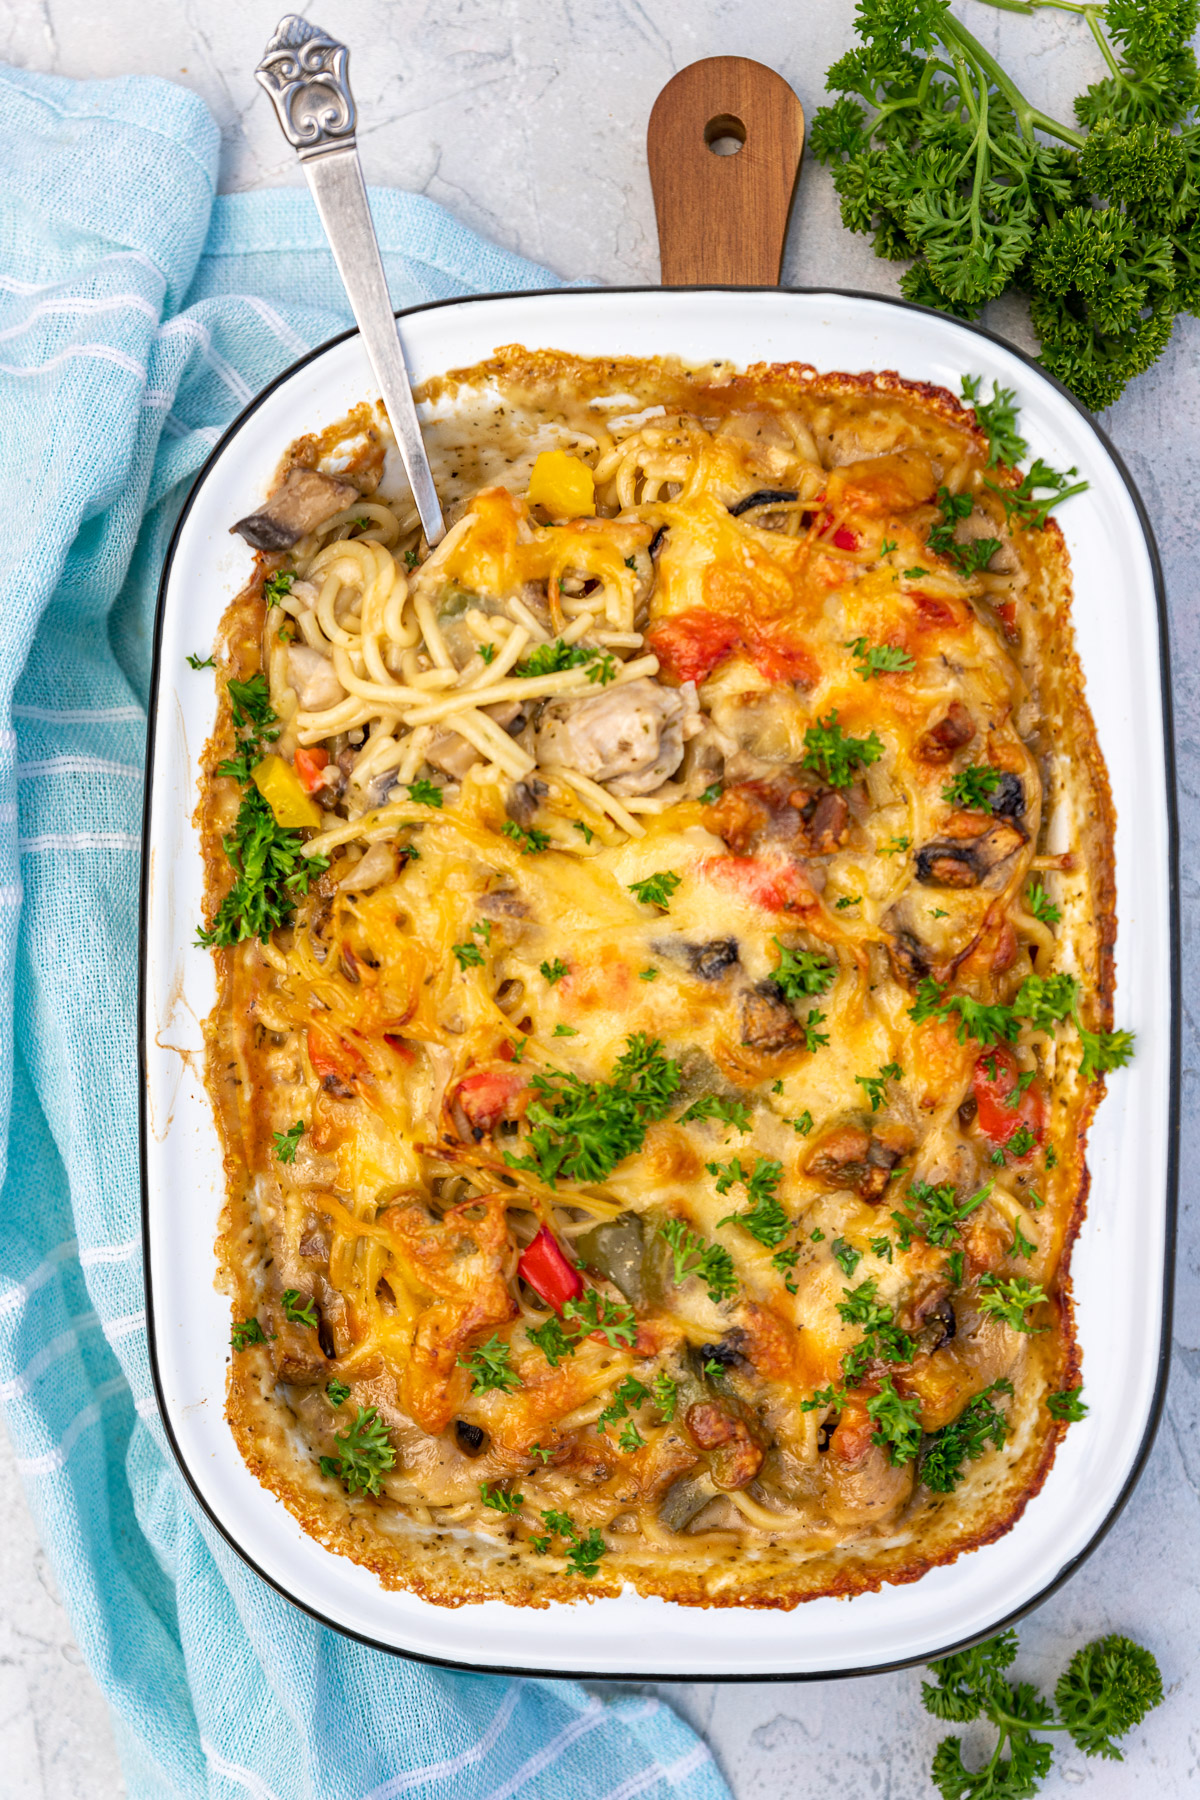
<point x="563" y="485"/>
<point x="281" y="788"/>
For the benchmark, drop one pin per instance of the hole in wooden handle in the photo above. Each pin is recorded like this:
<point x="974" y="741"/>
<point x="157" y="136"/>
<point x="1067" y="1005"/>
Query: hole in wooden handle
<point x="724" y="144"/>
<point x="724" y="134"/>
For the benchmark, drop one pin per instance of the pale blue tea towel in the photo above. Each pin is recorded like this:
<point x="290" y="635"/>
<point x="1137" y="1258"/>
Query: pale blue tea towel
<point x="137" y="315"/>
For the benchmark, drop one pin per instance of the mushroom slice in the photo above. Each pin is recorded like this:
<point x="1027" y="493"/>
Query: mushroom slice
<point x="303" y="502"/>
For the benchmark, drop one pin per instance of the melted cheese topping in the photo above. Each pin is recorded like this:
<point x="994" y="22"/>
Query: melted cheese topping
<point x="723" y="1111"/>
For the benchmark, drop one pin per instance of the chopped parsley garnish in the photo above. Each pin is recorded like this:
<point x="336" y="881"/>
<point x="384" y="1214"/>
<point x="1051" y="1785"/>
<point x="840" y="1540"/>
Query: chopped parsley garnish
<point x="628" y="1395"/>
<point x="1103" y="1051"/>
<point x="881" y="1247"/>
<point x="532" y="842"/>
<point x="561" y="1030"/>
<point x="972" y="788"/>
<point x="1020" y="1245"/>
<point x="1022" y="502"/>
<point x="366" y="1454"/>
<point x="875" y="1086"/>
<point x="1044" y="1001"/>
<point x="895" y="846"/>
<point x="552" y="1341"/>
<point x="297" y="1310"/>
<point x="814" y="1039"/>
<point x="998" y="418"/>
<point x="665" y="1393"/>
<point x="914" y="574"/>
<point x="499" y="1500"/>
<point x="887" y="546"/>
<point x="785" y="1261"/>
<point x="580" y="1130"/>
<point x="246" y="1332"/>
<point x="1067" y="1405"/>
<point x="712" y="1106"/>
<point x="711" y="794"/>
<point x="338" y="1392"/>
<point x="424" y="793"/>
<point x="801" y="972"/>
<point x="594" y="1312"/>
<point x="468" y="956"/>
<point x="934" y="1214"/>
<point x="411" y="559"/>
<point x="288" y="1142"/>
<point x="882" y="1339"/>
<point x="897" y="1421"/>
<point x="650" y="974"/>
<point x="554" y="971"/>
<point x="584" y="1553"/>
<point x="482" y="928"/>
<point x="804" y="1123"/>
<point x="270" y="874"/>
<point x="586" y="830"/>
<point x="964" y="1440"/>
<point x="1010" y="1298"/>
<point x="764" y="1219"/>
<point x="845" y="1255"/>
<point x="1021" y="1142"/>
<point x="656" y="890"/>
<point x="543" y="1452"/>
<point x="487" y="652"/>
<point x="552" y="659"/>
<point x="879" y="659"/>
<point x="836" y="758"/>
<point x="490" y="1367"/>
<point x="968" y="558"/>
<point x="1040" y="905"/>
<point x="847" y="900"/>
<point x="693" y="1256"/>
<point x="200" y="662"/>
<point x="277" y="585"/>
<point x="603" y="670"/>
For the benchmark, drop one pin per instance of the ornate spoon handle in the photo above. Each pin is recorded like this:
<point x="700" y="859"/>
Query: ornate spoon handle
<point x="304" y="72"/>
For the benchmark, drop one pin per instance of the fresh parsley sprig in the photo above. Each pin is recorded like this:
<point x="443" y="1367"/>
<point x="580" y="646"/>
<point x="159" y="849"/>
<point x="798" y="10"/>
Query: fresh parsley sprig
<point x="580" y="1130"/>
<point x="938" y="154"/>
<point x="1107" y="1688"/>
<point x="764" y="1218"/>
<point x="871" y="660"/>
<point x="715" y="1106"/>
<point x="964" y="1440"/>
<point x="288" y="1142"/>
<point x="366" y="1454"/>
<point x="801" y="973"/>
<point x="693" y="1255"/>
<point x="836" y="758"/>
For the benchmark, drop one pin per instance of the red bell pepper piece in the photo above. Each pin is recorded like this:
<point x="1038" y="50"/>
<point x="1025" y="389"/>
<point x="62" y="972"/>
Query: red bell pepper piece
<point x="548" y="1272"/>
<point x="309" y="765"/>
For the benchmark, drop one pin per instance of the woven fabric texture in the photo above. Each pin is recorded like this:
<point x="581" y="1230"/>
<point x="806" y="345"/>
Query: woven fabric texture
<point x="138" y="314"/>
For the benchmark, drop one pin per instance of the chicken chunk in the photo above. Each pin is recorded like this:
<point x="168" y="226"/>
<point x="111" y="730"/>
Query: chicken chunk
<point x="305" y="500"/>
<point x="631" y="738"/>
<point x="314" y="679"/>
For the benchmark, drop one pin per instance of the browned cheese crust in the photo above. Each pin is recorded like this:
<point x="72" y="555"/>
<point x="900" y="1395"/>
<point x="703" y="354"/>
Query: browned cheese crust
<point x="756" y="1458"/>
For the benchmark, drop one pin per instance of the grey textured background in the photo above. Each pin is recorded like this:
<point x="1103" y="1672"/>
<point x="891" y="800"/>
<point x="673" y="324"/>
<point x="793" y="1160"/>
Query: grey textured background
<point x="527" y="119"/>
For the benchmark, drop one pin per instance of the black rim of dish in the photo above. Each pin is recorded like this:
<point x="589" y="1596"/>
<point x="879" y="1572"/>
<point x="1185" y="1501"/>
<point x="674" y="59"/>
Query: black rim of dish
<point x="1172" y="1181"/>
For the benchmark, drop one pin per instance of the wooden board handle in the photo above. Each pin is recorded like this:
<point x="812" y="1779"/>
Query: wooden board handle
<point x="724" y="145"/>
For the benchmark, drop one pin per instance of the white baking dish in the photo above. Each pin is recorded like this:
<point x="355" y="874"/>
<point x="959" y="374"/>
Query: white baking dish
<point x="1121" y="1265"/>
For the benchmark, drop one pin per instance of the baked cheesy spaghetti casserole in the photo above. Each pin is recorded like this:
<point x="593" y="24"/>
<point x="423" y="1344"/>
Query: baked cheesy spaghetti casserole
<point x="663" y="938"/>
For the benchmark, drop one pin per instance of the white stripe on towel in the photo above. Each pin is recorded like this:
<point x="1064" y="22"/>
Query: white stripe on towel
<point x="592" y="1715"/>
<point x="452" y="1765"/>
<point x="245" y="1778"/>
<point x="15" y="1297"/>
<point x="674" y="1773"/>
<point x="109" y="1253"/>
<point x="98" y="352"/>
<point x="73" y="308"/>
<point x="47" y="1356"/>
<point x="80" y="840"/>
<point x="53" y="1460"/>
<point x="76" y="765"/>
<point x="89" y="715"/>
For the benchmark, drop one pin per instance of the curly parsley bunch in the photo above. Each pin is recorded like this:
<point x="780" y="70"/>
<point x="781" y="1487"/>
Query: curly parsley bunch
<point x="1106" y="1689"/>
<point x="948" y="166"/>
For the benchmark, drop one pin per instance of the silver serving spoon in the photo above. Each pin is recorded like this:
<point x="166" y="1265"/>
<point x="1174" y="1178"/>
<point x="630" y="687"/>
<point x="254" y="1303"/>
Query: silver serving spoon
<point x="304" y="72"/>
